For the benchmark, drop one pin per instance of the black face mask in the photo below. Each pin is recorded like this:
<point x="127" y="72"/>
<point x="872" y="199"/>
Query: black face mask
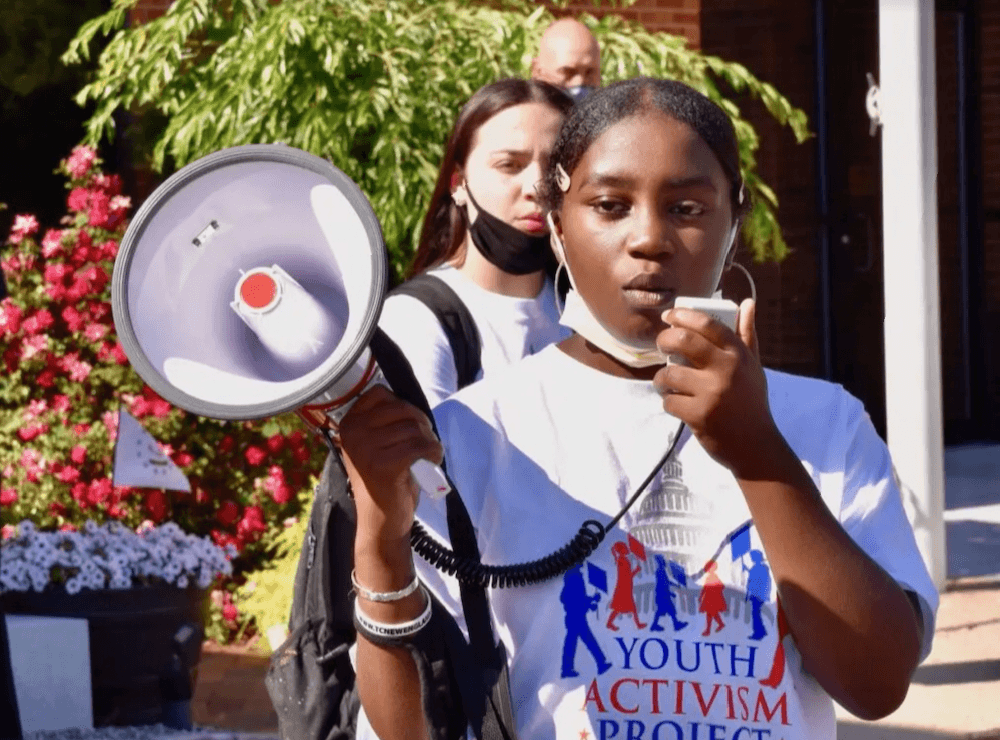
<point x="508" y="248"/>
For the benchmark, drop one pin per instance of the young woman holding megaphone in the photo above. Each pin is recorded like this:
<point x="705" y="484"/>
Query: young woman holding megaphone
<point x="770" y="491"/>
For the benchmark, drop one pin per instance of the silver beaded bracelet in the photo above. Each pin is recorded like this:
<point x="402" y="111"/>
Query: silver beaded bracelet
<point x="383" y="596"/>
<point x="381" y="630"/>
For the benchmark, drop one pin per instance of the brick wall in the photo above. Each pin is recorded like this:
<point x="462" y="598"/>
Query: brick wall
<point x="764" y="40"/>
<point x="147" y="10"/>
<point x="679" y="17"/>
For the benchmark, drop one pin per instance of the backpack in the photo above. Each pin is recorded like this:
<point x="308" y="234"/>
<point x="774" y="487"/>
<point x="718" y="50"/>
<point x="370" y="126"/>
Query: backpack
<point x="310" y="678"/>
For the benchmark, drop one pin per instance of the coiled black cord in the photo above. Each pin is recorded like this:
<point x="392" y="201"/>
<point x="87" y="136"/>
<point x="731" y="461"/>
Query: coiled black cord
<point x="578" y="549"/>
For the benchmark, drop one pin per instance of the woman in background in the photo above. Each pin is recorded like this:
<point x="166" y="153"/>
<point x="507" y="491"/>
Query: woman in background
<point x="485" y="236"/>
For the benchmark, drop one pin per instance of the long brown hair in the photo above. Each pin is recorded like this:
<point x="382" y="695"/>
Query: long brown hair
<point x="445" y="223"/>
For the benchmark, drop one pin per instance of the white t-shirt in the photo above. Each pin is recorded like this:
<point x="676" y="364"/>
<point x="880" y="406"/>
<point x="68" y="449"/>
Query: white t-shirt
<point x="617" y="649"/>
<point x="509" y="328"/>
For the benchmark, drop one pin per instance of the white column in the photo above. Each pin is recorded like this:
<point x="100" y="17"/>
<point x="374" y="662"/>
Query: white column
<point x="910" y="240"/>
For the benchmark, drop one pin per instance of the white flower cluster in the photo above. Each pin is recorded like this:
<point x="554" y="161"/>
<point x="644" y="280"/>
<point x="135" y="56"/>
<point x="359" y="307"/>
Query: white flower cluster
<point x="110" y="556"/>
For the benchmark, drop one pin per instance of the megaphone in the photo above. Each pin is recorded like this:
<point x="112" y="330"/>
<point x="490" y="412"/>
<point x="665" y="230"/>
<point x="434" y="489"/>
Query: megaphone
<point x="250" y="283"/>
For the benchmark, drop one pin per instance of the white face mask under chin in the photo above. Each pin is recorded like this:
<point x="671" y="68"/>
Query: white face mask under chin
<point x="578" y="317"/>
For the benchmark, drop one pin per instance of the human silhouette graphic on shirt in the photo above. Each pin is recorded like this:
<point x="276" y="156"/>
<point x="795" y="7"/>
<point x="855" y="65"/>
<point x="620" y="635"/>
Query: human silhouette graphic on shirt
<point x="712" y="600"/>
<point x="778" y="663"/>
<point x="665" y="597"/>
<point x="623" y="599"/>
<point x="577" y="603"/>
<point x="758" y="591"/>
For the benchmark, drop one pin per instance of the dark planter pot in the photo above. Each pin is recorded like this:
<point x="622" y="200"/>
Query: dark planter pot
<point x="145" y="644"/>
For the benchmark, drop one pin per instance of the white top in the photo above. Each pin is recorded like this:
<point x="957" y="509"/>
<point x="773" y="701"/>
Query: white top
<point x="640" y="642"/>
<point x="509" y="328"/>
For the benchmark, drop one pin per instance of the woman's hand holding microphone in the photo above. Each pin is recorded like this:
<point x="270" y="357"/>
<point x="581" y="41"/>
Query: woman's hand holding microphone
<point x="721" y="395"/>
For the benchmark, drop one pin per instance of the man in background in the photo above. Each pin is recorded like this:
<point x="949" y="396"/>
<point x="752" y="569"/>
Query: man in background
<point x="568" y="57"/>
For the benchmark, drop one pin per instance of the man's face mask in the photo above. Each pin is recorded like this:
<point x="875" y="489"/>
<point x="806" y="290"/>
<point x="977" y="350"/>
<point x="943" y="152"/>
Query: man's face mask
<point x="579" y="92"/>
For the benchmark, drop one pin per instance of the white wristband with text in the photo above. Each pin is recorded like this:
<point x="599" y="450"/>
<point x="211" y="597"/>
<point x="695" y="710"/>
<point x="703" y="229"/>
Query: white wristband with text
<point x="392" y="631"/>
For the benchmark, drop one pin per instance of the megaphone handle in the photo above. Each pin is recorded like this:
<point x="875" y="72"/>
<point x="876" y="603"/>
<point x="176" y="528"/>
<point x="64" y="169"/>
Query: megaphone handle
<point x="428" y="476"/>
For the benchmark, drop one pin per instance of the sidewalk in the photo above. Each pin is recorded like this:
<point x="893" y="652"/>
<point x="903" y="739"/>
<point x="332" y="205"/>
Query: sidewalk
<point x="955" y="693"/>
<point x="230" y="692"/>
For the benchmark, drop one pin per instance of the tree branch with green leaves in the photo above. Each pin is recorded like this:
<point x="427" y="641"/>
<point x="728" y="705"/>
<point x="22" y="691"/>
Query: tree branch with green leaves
<point x="374" y="86"/>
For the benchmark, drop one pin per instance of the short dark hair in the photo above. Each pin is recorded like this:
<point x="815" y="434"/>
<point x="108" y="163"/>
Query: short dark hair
<point x="445" y="223"/>
<point x="607" y="106"/>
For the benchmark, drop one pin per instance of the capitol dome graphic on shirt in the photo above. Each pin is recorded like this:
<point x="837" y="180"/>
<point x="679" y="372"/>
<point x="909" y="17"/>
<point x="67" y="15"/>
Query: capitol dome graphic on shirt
<point x="671" y="520"/>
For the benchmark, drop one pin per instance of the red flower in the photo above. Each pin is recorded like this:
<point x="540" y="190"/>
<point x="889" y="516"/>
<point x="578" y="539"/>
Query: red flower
<point x="183" y="459"/>
<point x="226" y="444"/>
<point x="110" y="184"/>
<point x="56" y="272"/>
<point x="7" y="496"/>
<point x="275" y="443"/>
<point x="229" y="613"/>
<point x="100" y="208"/>
<point x="222" y="539"/>
<point x="156" y="504"/>
<point x="46" y="378"/>
<point x="79" y="494"/>
<point x="296" y="437"/>
<point x="52" y="243"/>
<point x="301" y="454"/>
<point x="201" y="496"/>
<point x="139" y="408"/>
<point x="31" y="431"/>
<point x="10" y="318"/>
<point x="99" y="491"/>
<point x="79" y="430"/>
<point x="99" y="310"/>
<point x="79" y="453"/>
<point x="108" y="250"/>
<point x="57" y="292"/>
<point x="57" y="508"/>
<point x="118" y="352"/>
<point x="255" y="455"/>
<point x="95" y="332"/>
<point x="37" y="322"/>
<point x="80" y="160"/>
<point x="252" y="524"/>
<point x="69" y="474"/>
<point x="78" y="200"/>
<point x="67" y="528"/>
<point x="160" y="408"/>
<point x="282" y="494"/>
<point x="228" y="513"/>
<point x="23" y="226"/>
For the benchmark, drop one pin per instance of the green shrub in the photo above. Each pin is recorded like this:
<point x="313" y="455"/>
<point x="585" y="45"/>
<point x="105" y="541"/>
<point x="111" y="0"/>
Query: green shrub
<point x="372" y="85"/>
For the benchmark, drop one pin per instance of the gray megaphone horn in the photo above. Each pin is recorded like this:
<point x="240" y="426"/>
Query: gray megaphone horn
<point x="250" y="283"/>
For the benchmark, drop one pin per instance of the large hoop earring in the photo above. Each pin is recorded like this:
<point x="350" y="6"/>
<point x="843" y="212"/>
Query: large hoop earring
<point x="749" y="277"/>
<point x="560" y="306"/>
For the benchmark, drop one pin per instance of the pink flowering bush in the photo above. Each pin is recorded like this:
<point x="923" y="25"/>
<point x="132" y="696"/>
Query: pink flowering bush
<point x="64" y="375"/>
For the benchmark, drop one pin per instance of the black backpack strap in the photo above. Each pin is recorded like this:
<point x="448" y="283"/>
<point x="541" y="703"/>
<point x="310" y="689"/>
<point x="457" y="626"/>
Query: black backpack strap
<point x="487" y="703"/>
<point x="455" y="319"/>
